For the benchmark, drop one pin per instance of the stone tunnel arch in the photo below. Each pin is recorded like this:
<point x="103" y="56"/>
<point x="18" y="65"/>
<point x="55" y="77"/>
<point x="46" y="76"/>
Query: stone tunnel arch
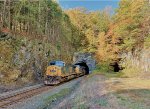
<point x="84" y="65"/>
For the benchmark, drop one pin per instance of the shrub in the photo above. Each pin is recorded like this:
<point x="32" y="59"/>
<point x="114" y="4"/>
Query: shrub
<point x="130" y="70"/>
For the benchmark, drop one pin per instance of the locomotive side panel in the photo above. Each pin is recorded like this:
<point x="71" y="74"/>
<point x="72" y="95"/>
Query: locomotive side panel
<point x="53" y="71"/>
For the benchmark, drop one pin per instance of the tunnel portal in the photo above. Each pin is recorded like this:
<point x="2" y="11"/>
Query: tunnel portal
<point x="83" y="64"/>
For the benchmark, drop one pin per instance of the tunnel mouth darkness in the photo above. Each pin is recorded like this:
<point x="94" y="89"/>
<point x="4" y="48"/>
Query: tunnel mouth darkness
<point x="83" y="64"/>
<point x="116" y="67"/>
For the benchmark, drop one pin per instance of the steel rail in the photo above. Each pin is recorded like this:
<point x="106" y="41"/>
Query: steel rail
<point x="20" y="96"/>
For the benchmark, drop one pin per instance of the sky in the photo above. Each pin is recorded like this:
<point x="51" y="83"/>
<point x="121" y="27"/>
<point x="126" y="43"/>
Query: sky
<point x="91" y="5"/>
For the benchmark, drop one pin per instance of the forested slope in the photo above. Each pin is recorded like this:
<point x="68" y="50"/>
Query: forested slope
<point x="31" y="34"/>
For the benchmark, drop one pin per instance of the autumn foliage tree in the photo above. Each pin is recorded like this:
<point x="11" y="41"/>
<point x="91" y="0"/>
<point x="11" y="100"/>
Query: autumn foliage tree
<point x="127" y="32"/>
<point x="90" y="25"/>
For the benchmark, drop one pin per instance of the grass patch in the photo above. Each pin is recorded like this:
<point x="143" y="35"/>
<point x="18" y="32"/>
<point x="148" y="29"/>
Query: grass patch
<point x="102" y="102"/>
<point x="104" y="69"/>
<point x="125" y="101"/>
<point x="109" y="75"/>
<point x="134" y="99"/>
<point x="80" y="102"/>
<point x="52" y="98"/>
<point x="81" y="106"/>
<point x="131" y="72"/>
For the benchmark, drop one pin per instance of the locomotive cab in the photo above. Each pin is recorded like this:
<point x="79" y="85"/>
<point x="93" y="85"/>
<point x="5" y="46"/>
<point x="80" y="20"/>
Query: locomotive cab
<point x="57" y="63"/>
<point x="54" y="72"/>
<point x="54" y="68"/>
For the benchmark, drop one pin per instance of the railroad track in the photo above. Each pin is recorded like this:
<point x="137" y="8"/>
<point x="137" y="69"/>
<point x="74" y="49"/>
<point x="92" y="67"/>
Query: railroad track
<point x="11" y="99"/>
<point x="18" y="96"/>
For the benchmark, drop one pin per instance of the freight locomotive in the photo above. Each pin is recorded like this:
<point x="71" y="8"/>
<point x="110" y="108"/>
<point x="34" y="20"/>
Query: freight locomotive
<point x="58" y="72"/>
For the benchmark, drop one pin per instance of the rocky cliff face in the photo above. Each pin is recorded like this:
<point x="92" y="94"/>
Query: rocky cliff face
<point x="22" y="59"/>
<point x="137" y="63"/>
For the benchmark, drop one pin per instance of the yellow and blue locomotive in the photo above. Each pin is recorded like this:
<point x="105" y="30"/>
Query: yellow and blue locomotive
<point x="58" y="72"/>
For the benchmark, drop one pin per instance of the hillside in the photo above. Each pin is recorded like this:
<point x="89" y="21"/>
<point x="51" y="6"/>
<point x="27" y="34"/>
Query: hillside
<point x="32" y="34"/>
